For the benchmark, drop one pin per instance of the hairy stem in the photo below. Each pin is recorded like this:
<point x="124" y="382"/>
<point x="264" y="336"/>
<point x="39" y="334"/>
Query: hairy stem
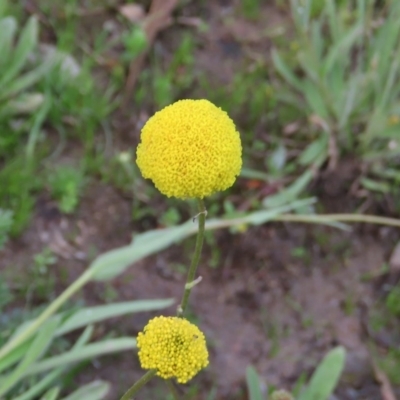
<point x="138" y="385"/>
<point x="196" y="257"/>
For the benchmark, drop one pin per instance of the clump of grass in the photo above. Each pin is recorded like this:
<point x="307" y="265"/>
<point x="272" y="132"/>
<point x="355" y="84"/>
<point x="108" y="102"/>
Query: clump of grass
<point x="342" y="75"/>
<point x="66" y="184"/>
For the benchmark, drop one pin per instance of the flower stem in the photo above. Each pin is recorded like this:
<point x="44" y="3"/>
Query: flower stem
<point x="196" y="257"/>
<point x="138" y="385"/>
<point x="172" y="389"/>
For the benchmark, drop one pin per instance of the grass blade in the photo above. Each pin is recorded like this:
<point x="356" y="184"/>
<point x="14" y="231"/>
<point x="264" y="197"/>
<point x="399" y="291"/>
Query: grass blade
<point x="26" y="44"/>
<point x="285" y="71"/>
<point x="341" y="48"/>
<point x="290" y="193"/>
<point x="87" y="352"/>
<point x="253" y="384"/>
<point x="90" y="315"/>
<point x="38" y="347"/>
<point x="8" y="28"/>
<point x="96" y="390"/>
<point x="326" y="376"/>
<point x="52" y="394"/>
<point x="49" y="378"/>
<point x="25" y="81"/>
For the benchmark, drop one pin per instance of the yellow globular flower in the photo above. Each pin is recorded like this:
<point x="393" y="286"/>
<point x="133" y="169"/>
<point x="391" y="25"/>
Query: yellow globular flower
<point x="190" y="149"/>
<point x="174" y="347"/>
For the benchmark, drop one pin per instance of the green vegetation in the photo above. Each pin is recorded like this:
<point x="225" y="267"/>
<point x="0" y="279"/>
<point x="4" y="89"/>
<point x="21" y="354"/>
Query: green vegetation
<point x="309" y="96"/>
<point x="348" y="87"/>
<point x="321" y="385"/>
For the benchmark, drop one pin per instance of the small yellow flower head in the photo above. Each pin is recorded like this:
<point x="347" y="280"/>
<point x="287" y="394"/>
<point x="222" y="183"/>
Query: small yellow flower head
<point x="190" y="149"/>
<point x="174" y="347"/>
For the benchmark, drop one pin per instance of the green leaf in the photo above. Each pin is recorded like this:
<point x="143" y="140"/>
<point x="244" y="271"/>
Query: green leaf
<point x="52" y="394"/>
<point x="346" y="107"/>
<point x="317" y="39"/>
<point x="326" y="376"/>
<point x="314" y="151"/>
<point x="96" y="390"/>
<point x="387" y="93"/>
<point x="315" y="99"/>
<point x="3" y="7"/>
<point x="375" y="186"/>
<point x="87" y="352"/>
<point x="8" y="27"/>
<point x="384" y="45"/>
<point x="38" y="121"/>
<point x="90" y="315"/>
<point x="309" y="64"/>
<point x="14" y="356"/>
<point x="42" y="385"/>
<point x="253" y="174"/>
<point x="301" y="12"/>
<point x="114" y="262"/>
<point x="38" y="347"/>
<point x="25" y="81"/>
<point x="253" y="384"/>
<point x="290" y="193"/>
<point x="50" y="377"/>
<point x="285" y="71"/>
<point x="341" y="48"/>
<point x="6" y="221"/>
<point x="333" y="20"/>
<point x="26" y="44"/>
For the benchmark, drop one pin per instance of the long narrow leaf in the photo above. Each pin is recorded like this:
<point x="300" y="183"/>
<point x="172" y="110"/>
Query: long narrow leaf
<point x="25" y="81"/>
<point x="8" y="28"/>
<point x="96" y="390"/>
<point x="315" y="99"/>
<point x="253" y="384"/>
<point x="326" y="376"/>
<point x="49" y="378"/>
<point x="384" y="99"/>
<point x="3" y="7"/>
<point x="42" y="385"/>
<point x="342" y="48"/>
<point x="14" y="356"/>
<point x="290" y="193"/>
<point x="285" y="71"/>
<point x="52" y="394"/>
<point x="35" y="130"/>
<point x="87" y="352"/>
<point x="333" y="20"/>
<point x="91" y="315"/>
<point x="38" y="347"/>
<point x="26" y="44"/>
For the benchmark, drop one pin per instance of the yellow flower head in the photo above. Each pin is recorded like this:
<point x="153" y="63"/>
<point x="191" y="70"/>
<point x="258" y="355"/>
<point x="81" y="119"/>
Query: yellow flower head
<point x="174" y="347"/>
<point x="190" y="149"/>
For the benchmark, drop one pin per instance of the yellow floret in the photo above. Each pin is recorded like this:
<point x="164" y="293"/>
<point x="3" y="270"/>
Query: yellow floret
<point x="190" y="149"/>
<point x="174" y="347"/>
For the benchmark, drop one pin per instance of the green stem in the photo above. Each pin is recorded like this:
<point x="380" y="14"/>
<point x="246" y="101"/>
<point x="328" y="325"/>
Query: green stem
<point x="172" y="389"/>
<point x="138" y="385"/>
<point x="48" y="312"/>
<point x="196" y="257"/>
